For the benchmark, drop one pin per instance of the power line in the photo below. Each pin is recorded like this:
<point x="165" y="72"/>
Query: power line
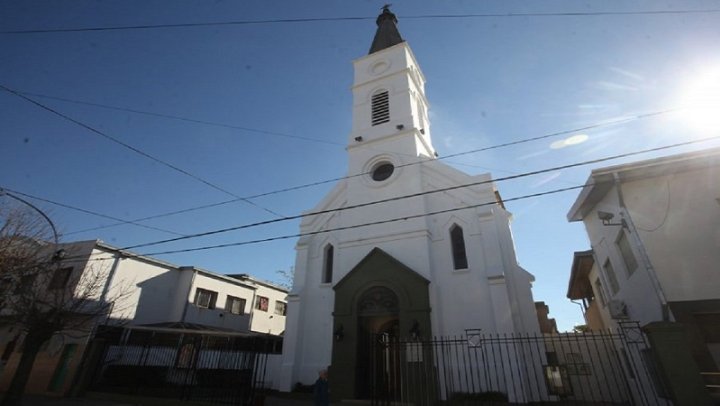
<point x="186" y="119"/>
<point x="402" y="218"/>
<point x="335" y="19"/>
<point x="396" y="219"/>
<point x="565" y="132"/>
<point x="86" y="211"/>
<point x="261" y="131"/>
<point x="326" y="181"/>
<point x="285" y="237"/>
<point x="134" y="149"/>
<point x="412" y="195"/>
<point x="172" y="213"/>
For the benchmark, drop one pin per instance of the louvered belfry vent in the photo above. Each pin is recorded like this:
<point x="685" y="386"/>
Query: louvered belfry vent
<point x="380" y="108"/>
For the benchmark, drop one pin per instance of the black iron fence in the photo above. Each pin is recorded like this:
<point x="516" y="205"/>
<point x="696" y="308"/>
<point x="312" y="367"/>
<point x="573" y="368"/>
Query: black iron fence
<point x="214" y="368"/>
<point x="597" y="368"/>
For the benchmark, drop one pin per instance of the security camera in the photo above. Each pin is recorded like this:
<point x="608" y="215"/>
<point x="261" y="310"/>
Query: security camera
<point x="605" y="216"/>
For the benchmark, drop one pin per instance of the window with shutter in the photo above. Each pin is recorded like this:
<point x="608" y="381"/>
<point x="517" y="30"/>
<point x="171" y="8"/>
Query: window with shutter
<point x="380" y="107"/>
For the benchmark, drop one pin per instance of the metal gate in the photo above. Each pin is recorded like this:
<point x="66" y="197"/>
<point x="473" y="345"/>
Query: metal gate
<point x="598" y="368"/>
<point x="218" y="368"/>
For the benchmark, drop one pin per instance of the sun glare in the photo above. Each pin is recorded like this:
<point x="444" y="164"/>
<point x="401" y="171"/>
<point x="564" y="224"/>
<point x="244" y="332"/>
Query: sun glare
<point x="700" y="102"/>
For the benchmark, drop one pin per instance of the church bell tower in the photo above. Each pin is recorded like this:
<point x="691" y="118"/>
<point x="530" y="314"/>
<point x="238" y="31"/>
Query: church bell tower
<point x="390" y="111"/>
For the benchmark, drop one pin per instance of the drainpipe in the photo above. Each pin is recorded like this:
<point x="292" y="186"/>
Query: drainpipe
<point x="111" y="276"/>
<point x="252" y="308"/>
<point x="582" y="307"/>
<point x="628" y="223"/>
<point x="187" y="296"/>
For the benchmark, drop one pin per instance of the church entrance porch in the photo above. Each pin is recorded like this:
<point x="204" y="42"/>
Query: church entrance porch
<point x="380" y="299"/>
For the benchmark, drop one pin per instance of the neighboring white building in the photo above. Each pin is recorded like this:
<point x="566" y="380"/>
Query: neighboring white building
<point x="447" y="265"/>
<point x="269" y="305"/>
<point x="654" y="227"/>
<point x="145" y="292"/>
<point x="152" y="291"/>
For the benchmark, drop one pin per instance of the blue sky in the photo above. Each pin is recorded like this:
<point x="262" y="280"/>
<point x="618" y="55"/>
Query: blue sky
<point x="489" y="81"/>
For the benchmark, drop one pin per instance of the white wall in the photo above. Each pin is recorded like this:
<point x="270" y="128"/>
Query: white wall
<point x="677" y="218"/>
<point x="142" y="292"/>
<point x="146" y="291"/>
<point x="270" y="321"/>
<point x="218" y="316"/>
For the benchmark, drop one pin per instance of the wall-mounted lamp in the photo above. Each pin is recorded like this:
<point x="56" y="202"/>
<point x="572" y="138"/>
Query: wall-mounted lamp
<point x="606" y="217"/>
<point x="339" y="333"/>
<point x="399" y="126"/>
<point x="358" y="138"/>
<point x="415" y="330"/>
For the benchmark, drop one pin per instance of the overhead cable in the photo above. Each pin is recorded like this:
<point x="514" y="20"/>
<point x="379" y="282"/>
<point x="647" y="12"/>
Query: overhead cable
<point x="412" y="195"/>
<point x="326" y="181"/>
<point x="135" y="149"/>
<point x="333" y="19"/>
<point x="86" y="211"/>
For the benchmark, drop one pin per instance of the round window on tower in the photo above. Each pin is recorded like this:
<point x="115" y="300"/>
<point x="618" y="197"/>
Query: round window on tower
<point x="382" y="171"/>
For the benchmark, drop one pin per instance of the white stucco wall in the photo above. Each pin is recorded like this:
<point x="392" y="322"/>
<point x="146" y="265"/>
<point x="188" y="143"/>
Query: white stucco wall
<point x="218" y="316"/>
<point x="142" y="292"/>
<point x="147" y="291"/>
<point x="271" y="321"/>
<point x="676" y="216"/>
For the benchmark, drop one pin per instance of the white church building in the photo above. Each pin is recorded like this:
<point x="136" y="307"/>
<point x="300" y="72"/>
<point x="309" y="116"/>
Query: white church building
<point x="403" y="245"/>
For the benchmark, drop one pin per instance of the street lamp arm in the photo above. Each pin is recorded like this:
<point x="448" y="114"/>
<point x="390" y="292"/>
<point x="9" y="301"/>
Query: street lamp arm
<point x="4" y="192"/>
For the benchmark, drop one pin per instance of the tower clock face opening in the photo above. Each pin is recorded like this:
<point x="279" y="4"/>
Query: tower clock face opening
<point x="382" y="171"/>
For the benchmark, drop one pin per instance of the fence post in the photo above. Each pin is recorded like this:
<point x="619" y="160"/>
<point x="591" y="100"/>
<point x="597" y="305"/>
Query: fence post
<point x="675" y="364"/>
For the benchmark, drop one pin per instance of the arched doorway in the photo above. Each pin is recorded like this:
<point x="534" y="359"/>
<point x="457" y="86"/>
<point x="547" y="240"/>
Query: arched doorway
<point x="382" y="297"/>
<point x="377" y="321"/>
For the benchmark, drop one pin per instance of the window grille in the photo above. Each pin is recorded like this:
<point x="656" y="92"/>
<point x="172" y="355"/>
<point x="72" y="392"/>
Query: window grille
<point x="380" y="108"/>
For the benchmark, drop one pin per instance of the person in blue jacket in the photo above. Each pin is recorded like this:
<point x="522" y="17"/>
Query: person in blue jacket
<point x="321" y="391"/>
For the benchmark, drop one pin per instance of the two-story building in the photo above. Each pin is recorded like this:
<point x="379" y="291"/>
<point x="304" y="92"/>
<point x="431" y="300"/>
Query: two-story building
<point x="654" y="228"/>
<point x="141" y="292"/>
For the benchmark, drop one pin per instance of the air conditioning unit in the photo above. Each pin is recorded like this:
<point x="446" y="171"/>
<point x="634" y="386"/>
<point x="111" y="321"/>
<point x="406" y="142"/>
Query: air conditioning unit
<point x="617" y="309"/>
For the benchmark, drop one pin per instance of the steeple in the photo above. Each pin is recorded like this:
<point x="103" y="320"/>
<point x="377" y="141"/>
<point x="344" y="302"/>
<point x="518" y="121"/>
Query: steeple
<point x="387" y="33"/>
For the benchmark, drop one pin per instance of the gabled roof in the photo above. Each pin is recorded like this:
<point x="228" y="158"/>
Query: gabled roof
<point x="601" y="180"/>
<point x="387" y="33"/>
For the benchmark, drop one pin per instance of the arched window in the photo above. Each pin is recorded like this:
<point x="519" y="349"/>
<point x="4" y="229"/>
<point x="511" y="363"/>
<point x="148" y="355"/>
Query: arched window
<point x="380" y="107"/>
<point x="328" y="265"/>
<point x="457" y="241"/>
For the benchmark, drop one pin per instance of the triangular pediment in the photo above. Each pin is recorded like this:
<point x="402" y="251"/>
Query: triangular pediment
<point x="373" y="261"/>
